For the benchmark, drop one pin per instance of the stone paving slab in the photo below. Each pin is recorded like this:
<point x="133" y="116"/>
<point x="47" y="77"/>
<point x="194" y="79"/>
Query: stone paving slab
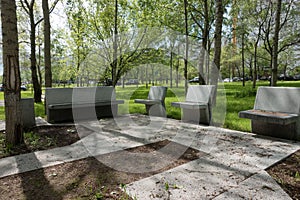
<point x="200" y="179"/>
<point x="40" y="159"/>
<point x="259" y="186"/>
<point x="92" y="145"/>
<point x="246" y="153"/>
<point x="232" y="167"/>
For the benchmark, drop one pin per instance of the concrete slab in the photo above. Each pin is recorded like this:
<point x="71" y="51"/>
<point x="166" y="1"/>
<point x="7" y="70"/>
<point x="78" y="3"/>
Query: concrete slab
<point x="259" y="186"/>
<point x="232" y="167"/>
<point x="200" y="179"/>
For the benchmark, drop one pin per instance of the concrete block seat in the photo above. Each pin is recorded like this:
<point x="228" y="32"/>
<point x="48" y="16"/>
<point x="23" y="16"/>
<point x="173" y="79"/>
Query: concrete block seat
<point x="276" y="112"/>
<point x="28" y="115"/>
<point x="198" y="103"/>
<point x="82" y="103"/>
<point x="155" y="104"/>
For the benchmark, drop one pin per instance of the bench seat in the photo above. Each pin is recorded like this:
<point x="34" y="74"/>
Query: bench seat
<point x="147" y="101"/>
<point x="85" y="104"/>
<point x="270" y="117"/>
<point x="189" y="105"/>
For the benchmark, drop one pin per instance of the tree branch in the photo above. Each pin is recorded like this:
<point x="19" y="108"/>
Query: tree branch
<point x="53" y="6"/>
<point x="24" y="7"/>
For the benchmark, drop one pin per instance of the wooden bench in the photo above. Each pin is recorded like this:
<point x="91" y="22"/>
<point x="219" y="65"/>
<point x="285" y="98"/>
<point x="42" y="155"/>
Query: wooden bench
<point x="155" y="104"/>
<point x="198" y="103"/>
<point x="82" y="103"/>
<point x="276" y="112"/>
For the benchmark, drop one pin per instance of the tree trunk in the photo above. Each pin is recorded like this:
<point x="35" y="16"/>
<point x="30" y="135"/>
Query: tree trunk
<point x="39" y="61"/>
<point x="39" y="65"/>
<point x="204" y="44"/>
<point x="255" y="56"/>
<point x="47" y="43"/>
<point x="275" y="46"/>
<point x="177" y="68"/>
<point x="171" y="70"/>
<point x="218" y="39"/>
<point x="115" y="46"/>
<point x="234" y="40"/>
<point x="243" y="57"/>
<point x="36" y="85"/>
<point x="11" y="75"/>
<point x="186" y="45"/>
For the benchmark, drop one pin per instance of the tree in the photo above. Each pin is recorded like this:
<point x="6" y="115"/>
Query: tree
<point x="186" y="44"/>
<point x="114" y="64"/>
<point x="29" y="9"/>
<point x="203" y="17"/>
<point x="280" y="31"/>
<point x="260" y="22"/>
<point x="275" y="45"/>
<point x="11" y="75"/>
<point x="78" y="19"/>
<point x="218" y="33"/>
<point x="47" y="42"/>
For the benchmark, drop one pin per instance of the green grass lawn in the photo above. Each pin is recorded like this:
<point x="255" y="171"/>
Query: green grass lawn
<point x="238" y="98"/>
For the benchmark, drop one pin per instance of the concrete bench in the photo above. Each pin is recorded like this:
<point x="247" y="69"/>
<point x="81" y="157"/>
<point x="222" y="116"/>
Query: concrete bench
<point x="276" y="112"/>
<point x="83" y="103"/>
<point x="28" y="114"/>
<point x="198" y="103"/>
<point x="155" y="104"/>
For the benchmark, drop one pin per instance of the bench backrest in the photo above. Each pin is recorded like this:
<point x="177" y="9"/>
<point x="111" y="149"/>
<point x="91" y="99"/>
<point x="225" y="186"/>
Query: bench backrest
<point x="278" y="99"/>
<point x="157" y="93"/>
<point x="78" y="95"/>
<point x="200" y="93"/>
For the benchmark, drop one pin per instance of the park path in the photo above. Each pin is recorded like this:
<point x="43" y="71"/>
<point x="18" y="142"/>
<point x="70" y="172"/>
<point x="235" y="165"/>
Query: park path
<point x="232" y="166"/>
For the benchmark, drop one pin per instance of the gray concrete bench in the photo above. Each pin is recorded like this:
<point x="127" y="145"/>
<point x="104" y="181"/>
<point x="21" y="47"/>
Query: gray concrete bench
<point x="155" y="104"/>
<point x="198" y="103"/>
<point x="67" y="104"/>
<point x="28" y="114"/>
<point x="276" y="112"/>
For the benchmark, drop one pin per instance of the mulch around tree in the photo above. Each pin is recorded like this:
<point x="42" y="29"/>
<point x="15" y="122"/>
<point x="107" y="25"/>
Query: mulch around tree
<point x="287" y="174"/>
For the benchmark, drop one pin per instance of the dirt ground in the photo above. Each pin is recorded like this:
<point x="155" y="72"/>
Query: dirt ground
<point x="287" y="174"/>
<point x="90" y="179"/>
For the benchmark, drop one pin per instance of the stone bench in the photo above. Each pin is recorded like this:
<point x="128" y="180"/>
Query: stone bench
<point x="82" y="103"/>
<point x="198" y="103"/>
<point x="276" y="112"/>
<point x="155" y="104"/>
<point x="28" y="114"/>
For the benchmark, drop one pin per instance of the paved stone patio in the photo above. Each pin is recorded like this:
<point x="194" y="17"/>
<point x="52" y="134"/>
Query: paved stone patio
<point x="232" y="167"/>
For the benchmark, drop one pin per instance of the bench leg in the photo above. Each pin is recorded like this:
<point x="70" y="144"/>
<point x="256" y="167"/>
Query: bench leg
<point x="201" y="116"/>
<point x="156" y="110"/>
<point x="274" y="130"/>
